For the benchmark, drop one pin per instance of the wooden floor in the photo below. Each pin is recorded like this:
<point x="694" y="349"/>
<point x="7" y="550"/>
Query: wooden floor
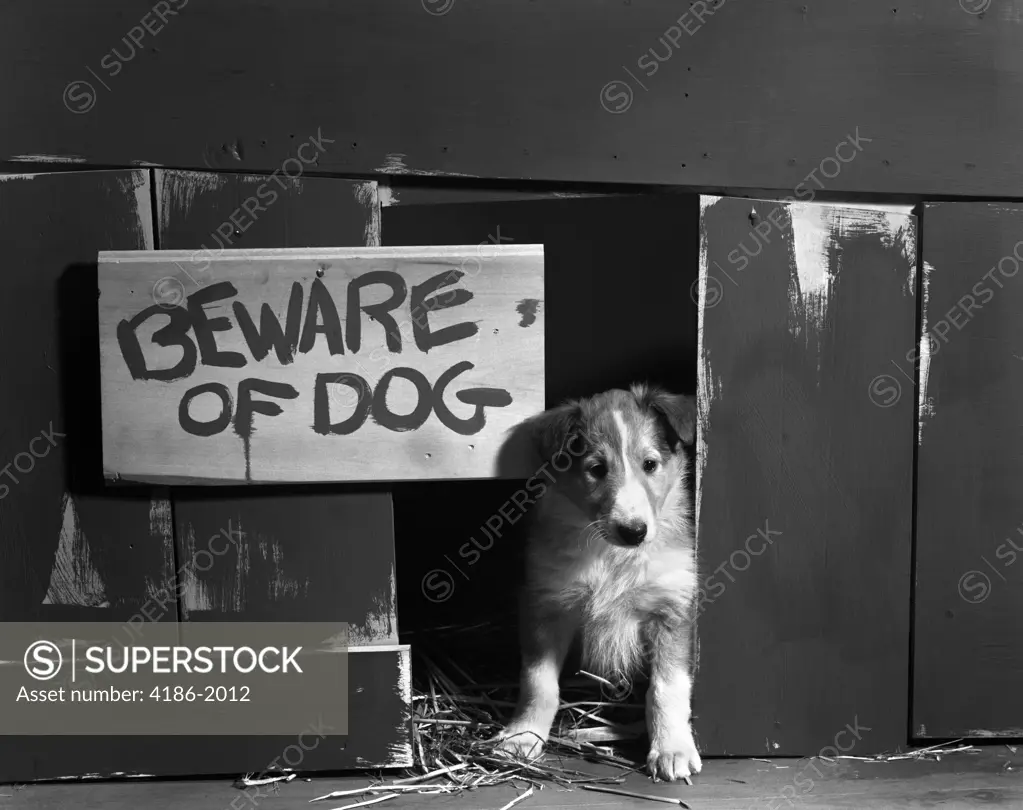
<point x="991" y="777"/>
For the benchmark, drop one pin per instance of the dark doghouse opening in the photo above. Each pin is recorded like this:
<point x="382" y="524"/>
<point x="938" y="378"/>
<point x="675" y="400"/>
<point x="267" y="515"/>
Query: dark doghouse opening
<point x="620" y="275"/>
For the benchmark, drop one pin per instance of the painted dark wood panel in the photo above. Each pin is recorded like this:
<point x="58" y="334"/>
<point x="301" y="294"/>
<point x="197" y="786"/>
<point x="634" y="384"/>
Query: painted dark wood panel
<point x="378" y="706"/>
<point x="968" y="653"/>
<point x="450" y="91"/>
<point x="69" y="547"/>
<point x="208" y="211"/>
<point x="321" y="556"/>
<point x="805" y="481"/>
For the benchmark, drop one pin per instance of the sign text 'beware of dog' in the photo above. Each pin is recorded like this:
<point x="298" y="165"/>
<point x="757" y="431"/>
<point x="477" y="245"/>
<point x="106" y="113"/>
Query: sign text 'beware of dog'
<point x="354" y="364"/>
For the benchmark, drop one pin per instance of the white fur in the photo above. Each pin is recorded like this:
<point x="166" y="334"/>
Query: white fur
<point x="673" y="751"/>
<point x="616" y="593"/>
<point x="631" y="502"/>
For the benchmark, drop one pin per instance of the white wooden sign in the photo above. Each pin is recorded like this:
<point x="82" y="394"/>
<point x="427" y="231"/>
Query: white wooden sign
<point x="354" y="364"/>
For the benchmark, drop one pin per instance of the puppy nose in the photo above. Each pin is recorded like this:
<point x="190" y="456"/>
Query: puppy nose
<point x="632" y="534"/>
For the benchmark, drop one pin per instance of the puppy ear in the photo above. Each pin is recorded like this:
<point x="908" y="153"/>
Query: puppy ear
<point x="553" y="429"/>
<point x="677" y="411"/>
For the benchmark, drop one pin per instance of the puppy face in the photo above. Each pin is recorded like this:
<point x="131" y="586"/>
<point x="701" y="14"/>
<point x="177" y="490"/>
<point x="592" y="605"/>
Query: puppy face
<point x="628" y="459"/>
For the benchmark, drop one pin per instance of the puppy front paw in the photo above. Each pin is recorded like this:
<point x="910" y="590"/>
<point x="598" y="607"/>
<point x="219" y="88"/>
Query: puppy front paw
<point x="521" y="740"/>
<point x="674" y="758"/>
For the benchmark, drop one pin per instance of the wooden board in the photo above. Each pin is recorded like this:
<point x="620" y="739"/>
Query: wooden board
<point x="70" y="548"/>
<point x="379" y="709"/>
<point x="289" y="556"/>
<point x="991" y="777"/>
<point x="373" y="399"/>
<point x="650" y="92"/>
<point x="968" y="652"/>
<point x="804" y="501"/>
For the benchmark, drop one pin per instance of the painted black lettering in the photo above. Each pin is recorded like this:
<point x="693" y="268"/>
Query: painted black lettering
<point x="421" y="305"/>
<point x="175" y="333"/>
<point x="378" y="312"/>
<point x="321" y="305"/>
<point x="321" y="404"/>
<point x="204" y="327"/>
<point x="269" y="334"/>
<point x="247" y="406"/>
<point x="213" y="427"/>
<point x="402" y="422"/>
<point x="480" y="397"/>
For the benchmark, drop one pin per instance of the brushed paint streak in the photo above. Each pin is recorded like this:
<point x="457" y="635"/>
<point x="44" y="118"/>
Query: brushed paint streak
<point x="47" y="159"/>
<point x="394" y="163"/>
<point x="380" y="625"/>
<point x="368" y="195"/>
<point x="138" y="187"/>
<point x="74" y="579"/>
<point x="176" y="190"/>
<point x="925" y="403"/>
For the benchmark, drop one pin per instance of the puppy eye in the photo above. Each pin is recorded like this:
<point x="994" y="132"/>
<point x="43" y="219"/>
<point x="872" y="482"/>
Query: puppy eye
<point x="649" y="465"/>
<point x="598" y="470"/>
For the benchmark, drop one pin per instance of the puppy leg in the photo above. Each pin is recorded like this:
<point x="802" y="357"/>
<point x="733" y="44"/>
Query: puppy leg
<point x="546" y="636"/>
<point x="673" y="753"/>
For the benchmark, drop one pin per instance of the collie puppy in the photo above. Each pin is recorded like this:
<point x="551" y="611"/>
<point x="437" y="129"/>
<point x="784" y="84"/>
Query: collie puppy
<point x="612" y="555"/>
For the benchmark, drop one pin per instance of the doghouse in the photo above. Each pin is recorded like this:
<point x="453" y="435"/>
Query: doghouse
<point x="786" y="210"/>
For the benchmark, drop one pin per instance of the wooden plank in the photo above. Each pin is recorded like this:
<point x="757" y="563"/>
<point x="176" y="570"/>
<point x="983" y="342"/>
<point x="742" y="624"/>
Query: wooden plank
<point x="804" y="501"/>
<point x="71" y="549"/>
<point x="209" y="212"/>
<point x="639" y="75"/>
<point x="346" y="406"/>
<point x="968" y="654"/>
<point x="379" y="712"/>
<point x="289" y="557"/>
<point x="993" y="776"/>
<point x="407" y="190"/>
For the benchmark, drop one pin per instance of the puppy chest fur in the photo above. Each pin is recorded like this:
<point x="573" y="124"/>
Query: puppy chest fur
<point x="615" y="545"/>
<point x="621" y="597"/>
